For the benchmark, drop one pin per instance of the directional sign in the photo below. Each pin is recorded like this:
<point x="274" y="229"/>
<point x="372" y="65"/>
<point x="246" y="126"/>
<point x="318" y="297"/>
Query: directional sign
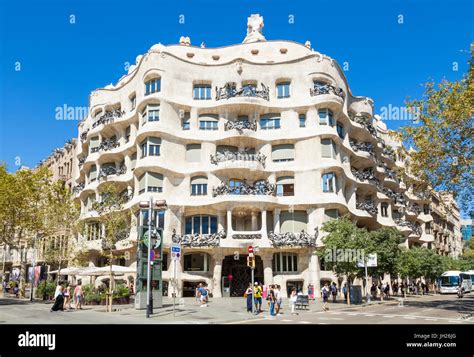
<point x="371" y="261"/>
<point x="175" y="251"/>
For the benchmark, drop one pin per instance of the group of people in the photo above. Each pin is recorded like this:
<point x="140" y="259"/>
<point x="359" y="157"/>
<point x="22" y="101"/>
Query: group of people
<point x="10" y="287"/>
<point x="255" y="294"/>
<point x="62" y="296"/>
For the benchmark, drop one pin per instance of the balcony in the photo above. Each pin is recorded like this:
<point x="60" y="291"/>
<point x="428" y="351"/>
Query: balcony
<point x="326" y="89"/>
<point x="291" y="239"/>
<point x="414" y="208"/>
<point x="368" y="206"/>
<point x="396" y="196"/>
<point x="259" y="188"/>
<point x="367" y="147"/>
<point x="108" y="144"/>
<point x="389" y="153"/>
<point x="366" y="122"/>
<point x="381" y="164"/>
<point x="109" y="117"/>
<point x="244" y="155"/>
<point x="230" y="91"/>
<point x="81" y="161"/>
<point x="78" y="188"/>
<point x="240" y="125"/>
<point x="246" y="235"/>
<point x="198" y="240"/>
<point x="111" y="170"/>
<point x="416" y="229"/>
<point x="365" y="175"/>
<point x="84" y="135"/>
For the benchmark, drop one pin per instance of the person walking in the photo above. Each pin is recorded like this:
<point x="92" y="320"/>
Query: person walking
<point x="278" y="300"/>
<point x="78" y="295"/>
<point x="387" y="291"/>
<point x="67" y="297"/>
<point x="344" y="291"/>
<point x="373" y="291"/>
<point x="325" y="292"/>
<point x="249" y="294"/>
<point x="271" y="300"/>
<point x="293" y="299"/>
<point x="203" y="295"/>
<point x="334" y="291"/>
<point x="257" y="294"/>
<point x="58" y="301"/>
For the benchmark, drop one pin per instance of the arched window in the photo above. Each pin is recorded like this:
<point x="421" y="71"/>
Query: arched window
<point x="153" y="86"/>
<point x="285" y="186"/>
<point x="199" y="186"/>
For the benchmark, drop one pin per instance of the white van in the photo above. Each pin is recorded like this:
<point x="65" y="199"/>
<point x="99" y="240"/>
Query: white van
<point x="451" y="280"/>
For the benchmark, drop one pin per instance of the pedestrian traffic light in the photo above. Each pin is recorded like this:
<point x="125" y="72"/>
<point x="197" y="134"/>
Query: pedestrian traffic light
<point x="250" y="262"/>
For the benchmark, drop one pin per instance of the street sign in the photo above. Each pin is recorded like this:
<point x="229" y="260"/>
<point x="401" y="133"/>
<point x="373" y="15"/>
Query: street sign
<point x="371" y="261"/>
<point x="251" y="255"/>
<point x="175" y="251"/>
<point x="250" y="249"/>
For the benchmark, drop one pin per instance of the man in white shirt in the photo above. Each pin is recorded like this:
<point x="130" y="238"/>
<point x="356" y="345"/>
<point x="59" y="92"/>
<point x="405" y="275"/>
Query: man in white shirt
<point x="278" y="299"/>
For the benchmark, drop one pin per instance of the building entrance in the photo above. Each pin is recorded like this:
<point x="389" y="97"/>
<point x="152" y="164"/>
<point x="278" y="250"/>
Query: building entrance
<point x="240" y="273"/>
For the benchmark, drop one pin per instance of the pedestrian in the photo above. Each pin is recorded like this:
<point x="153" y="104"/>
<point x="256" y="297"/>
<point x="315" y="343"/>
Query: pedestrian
<point x="387" y="291"/>
<point x="293" y="299"/>
<point x="325" y="293"/>
<point x="373" y="291"/>
<point x="67" y="297"/>
<point x="344" y="291"/>
<point x="271" y="300"/>
<point x="78" y="295"/>
<point x="58" y="290"/>
<point x="203" y="294"/>
<point x="278" y="299"/>
<point x="270" y="288"/>
<point x="58" y="301"/>
<point x="402" y="289"/>
<point x="334" y="291"/>
<point x="248" y="294"/>
<point x="257" y="294"/>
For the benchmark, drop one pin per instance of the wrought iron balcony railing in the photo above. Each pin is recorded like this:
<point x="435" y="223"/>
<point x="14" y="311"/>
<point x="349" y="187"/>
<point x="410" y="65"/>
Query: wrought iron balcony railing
<point x="381" y="164"/>
<point x="326" y="89"/>
<point x="198" y="240"/>
<point x="246" y="236"/>
<point x="368" y="206"/>
<point x="108" y="117"/>
<point x="414" y="208"/>
<point x="81" y="161"/>
<point x="389" y="153"/>
<point x="391" y="174"/>
<point x="259" y="188"/>
<point x="127" y="195"/>
<point x="78" y="188"/>
<point x="366" y="122"/>
<point x="416" y="229"/>
<point x="230" y="91"/>
<point x="84" y="135"/>
<point x="291" y="239"/>
<point x="367" y="147"/>
<point x="424" y="195"/>
<point x="244" y="155"/>
<point x="111" y="170"/>
<point x="365" y="175"/>
<point x="240" y="125"/>
<point x="109" y="144"/>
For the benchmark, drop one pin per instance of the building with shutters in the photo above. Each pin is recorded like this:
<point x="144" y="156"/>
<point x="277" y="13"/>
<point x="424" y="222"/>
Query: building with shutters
<point x="258" y="144"/>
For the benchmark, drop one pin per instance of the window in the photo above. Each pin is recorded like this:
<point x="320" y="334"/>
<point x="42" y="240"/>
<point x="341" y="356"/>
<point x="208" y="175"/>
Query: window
<point x="133" y="101"/>
<point x="201" y="224"/>
<point x="426" y="209"/>
<point x="321" y="87"/>
<point x="196" y="262"/>
<point x="150" y="147"/>
<point x="185" y="121"/>
<point x="193" y="153"/>
<point x="329" y="182"/>
<point x="164" y="262"/>
<point x="150" y="182"/>
<point x="326" y="117"/>
<point x="294" y="221"/>
<point x="202" y="92"/>
<point x="153" y="86"/>
<point x="208" y="122"/>
<point x="199" y="186"/>
<point x="249" y="89"/>
<point x="133" y="160"/>
<point x="234" y="185"/>
<point x="270" y="121"/>
<point x="95" y="143"/>
<point x="127" y="134"/>
<point x="331" y="214"/>
<point x="428" y="228"/>
<point x="93" y="173"/>
<point x="93" y="231"/>
<point x="340" y="130"/>
<point x="285" y="262"/>
<point x="153" y="112"/>
<point x="283" y="152"/>
<point x="285" y="186"/>
<point x="384" y="209"/>
<point x="328" y="148"/>
<point x="283" y="90"/>
<point x="302" y="118"/>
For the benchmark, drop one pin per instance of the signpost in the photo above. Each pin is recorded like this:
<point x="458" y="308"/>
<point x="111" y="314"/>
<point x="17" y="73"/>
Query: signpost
<point x="251" y="264"/>
<point x="175" y="255"/>
<point x="370" y="260"/>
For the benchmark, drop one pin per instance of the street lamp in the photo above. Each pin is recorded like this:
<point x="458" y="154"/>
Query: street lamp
<point x="149" y="205"/>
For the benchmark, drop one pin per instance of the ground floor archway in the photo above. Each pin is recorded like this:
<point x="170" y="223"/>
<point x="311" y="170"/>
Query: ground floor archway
<point x="236" y="267"/>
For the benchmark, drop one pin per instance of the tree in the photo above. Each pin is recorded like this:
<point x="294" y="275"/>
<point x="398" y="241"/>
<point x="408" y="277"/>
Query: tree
<point x="346" y="243"/>
<point x="443" y="142"/>
<point x="115" y="220"/>
<point x="385" y="243"/>
<point x="419" y="262"/>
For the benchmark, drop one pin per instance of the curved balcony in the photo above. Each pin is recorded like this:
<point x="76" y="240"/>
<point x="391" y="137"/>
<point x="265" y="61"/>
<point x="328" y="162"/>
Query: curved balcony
<point x="290" y="239"/>
<point x="326" y="89"/>
<point x="366" y="147"/>
<point x="198" y="240"/>
<point x="415" y="229"/>
<point x="241" y="156"/>
<point x="260" y="188"/>
<point x="240" y="125"/>
<point x="368" y="206"/>
<point x="108" y="117"/>
<point x="110" y="170"/>
<point x="78" y="188"/>
<point x="250" y="235"/>
<point x="230" y="91"/>
<point x="365" y="175"/>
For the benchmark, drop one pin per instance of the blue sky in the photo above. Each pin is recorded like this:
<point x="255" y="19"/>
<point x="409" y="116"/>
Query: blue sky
<point x="61" y="63"/>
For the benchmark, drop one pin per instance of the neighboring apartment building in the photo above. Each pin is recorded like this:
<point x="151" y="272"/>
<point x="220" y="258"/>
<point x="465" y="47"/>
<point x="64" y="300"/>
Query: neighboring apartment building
<point x="466" y="228"/>
<point x="257" y="144"/>
<point x="62" y="164"/>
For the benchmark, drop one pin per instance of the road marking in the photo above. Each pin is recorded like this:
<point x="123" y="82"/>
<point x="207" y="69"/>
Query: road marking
<point x="369" y="315"/>
<point x="305" y="322"/>
<point x="353" y="314"/>
<point x="245" y="321"/>
<point x="457" y="321"/>
<point x="389" y="316"/>
<point x="409" y="317"/>
<point x="431" y="319"/>
<point x="286" y="320"/>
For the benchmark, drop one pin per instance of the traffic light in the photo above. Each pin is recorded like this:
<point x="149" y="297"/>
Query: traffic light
<point x="250" y="261"/>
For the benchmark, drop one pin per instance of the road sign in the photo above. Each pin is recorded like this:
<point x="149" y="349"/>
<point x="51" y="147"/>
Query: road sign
<point x="250" y="249"/>
<point x="175" y="251"/>
<point x="371" y="261"/>
<point x="251" y="255"/>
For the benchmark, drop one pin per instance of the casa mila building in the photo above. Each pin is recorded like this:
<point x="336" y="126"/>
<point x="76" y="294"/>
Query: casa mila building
<point x="254" y="144"/>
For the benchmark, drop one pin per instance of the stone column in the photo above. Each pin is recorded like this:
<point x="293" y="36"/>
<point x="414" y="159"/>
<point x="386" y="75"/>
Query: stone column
<point x="267" y="269"/>
<point x="221" y="222"/>
<point x="314" y="273"/>
<point x="229" y="222"/>
<point x="217" y="275"/>
<point x="276" y="220"/>
<point x="264" y="226"/>
<point x="254" y="221"/>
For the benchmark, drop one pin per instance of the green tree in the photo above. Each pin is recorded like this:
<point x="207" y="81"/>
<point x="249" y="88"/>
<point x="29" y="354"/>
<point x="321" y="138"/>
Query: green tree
<point x="443" y="142"/>
<point x="346" y="240"/>
<point x="115" y="219"/>
<point x="386" y="243"/>
<point x="419" y="262"/>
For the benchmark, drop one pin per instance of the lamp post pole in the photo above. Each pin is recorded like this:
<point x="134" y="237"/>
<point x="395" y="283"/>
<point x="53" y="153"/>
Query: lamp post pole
<point x="149" y="306"/>
<point x="33" y="268"/>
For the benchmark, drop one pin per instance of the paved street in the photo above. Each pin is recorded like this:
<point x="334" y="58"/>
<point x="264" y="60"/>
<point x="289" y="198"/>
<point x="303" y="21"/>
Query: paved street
<point x="438" y="309"/>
